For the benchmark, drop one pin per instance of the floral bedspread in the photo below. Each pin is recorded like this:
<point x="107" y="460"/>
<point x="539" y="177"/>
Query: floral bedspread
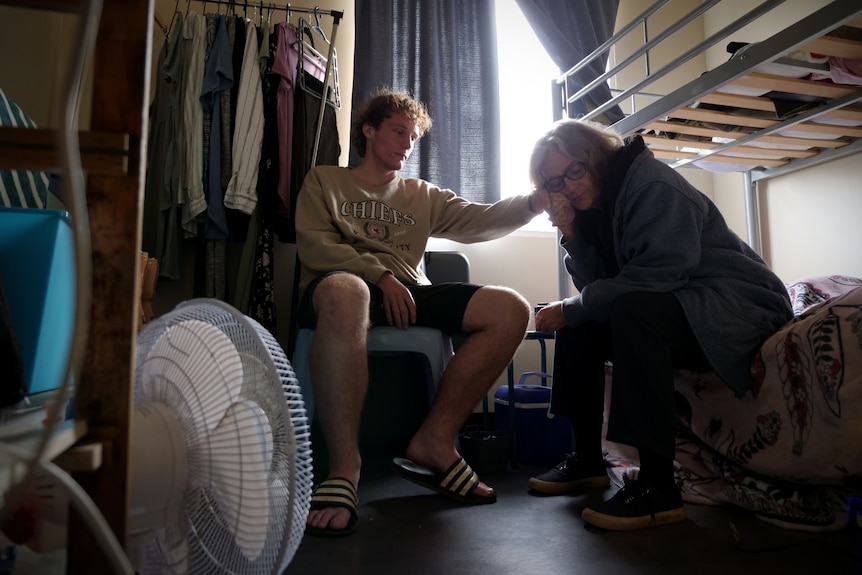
<point x="791" y="449"/>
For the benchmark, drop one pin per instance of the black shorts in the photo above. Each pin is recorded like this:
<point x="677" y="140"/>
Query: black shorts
<point x="440" y="306"/>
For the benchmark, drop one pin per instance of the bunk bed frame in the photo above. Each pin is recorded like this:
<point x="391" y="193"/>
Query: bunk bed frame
<point x="678" y="127"/>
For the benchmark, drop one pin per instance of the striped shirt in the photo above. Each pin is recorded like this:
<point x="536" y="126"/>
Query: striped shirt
<point x="241" y="191"/>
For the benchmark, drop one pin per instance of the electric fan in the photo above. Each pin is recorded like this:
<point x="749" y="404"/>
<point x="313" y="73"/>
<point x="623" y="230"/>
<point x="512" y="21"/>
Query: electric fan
<point x="221" y="469"/>
<point x="220" y="461"/>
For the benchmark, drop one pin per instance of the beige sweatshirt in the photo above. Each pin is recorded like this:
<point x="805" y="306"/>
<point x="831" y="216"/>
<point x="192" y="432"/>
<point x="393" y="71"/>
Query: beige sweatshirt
<point x="345" y="224"/>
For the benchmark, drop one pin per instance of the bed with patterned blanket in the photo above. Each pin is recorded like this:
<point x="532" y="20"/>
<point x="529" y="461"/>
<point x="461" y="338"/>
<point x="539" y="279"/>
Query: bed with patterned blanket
<point x="791" y="449"/>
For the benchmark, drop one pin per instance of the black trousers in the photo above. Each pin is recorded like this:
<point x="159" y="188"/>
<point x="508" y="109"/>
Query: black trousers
<point x="646" y="339"/>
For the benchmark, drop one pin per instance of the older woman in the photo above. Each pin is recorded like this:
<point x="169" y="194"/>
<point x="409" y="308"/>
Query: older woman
<point x="663" y="284"/>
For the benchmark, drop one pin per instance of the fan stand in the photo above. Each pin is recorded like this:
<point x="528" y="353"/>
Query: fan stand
<point x="158" y="474"/>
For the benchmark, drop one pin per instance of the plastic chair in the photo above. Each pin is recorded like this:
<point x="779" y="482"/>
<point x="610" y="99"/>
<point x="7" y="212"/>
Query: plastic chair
<point x="434" y="346"/>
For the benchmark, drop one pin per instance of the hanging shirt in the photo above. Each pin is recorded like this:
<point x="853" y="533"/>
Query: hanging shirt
<point x="164" y="160"/>
<point x="217" y="79"/>
<point x="194" y="34"/>
<point x="286" y="59"/>
<point x="241" y="193"/>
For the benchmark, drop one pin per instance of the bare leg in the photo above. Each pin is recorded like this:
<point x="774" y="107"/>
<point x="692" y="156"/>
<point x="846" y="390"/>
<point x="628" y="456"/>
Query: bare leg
<point x="495" y="321"/>
<point x="339" y="375"/>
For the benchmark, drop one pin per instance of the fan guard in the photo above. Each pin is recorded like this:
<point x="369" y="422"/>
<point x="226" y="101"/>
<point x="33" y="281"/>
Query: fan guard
<point x="242" y="478"/>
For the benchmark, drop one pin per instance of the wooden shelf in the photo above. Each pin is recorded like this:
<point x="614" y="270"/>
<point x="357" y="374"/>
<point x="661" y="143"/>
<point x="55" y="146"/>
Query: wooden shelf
<point x="27" y="438"/>
<point x="38" y="149"/>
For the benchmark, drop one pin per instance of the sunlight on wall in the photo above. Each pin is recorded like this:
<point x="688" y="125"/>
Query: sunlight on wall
<point x="526" y="74"/>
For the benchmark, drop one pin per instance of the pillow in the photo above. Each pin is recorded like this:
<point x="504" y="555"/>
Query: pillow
<point x="808" y="292"/>
<point x="20" y="188"/>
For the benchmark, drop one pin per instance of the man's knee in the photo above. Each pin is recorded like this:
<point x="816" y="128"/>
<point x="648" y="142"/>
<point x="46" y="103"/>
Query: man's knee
<point x="341" y="295"/>
<point x="501" y="307"/>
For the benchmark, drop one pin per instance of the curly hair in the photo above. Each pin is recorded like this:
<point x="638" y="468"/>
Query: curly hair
<point x="382" y="104"/>
<point x="589" y="142"/>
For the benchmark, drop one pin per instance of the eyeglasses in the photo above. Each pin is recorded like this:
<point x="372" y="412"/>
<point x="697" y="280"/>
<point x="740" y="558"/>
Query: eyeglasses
<point x="574" y="172"/>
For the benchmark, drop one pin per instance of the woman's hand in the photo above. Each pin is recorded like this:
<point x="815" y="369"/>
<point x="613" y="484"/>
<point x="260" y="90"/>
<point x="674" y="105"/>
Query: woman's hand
<point x="550" y="318"/>
<point x="397" y="302"/>
<point x="561" y="213"/>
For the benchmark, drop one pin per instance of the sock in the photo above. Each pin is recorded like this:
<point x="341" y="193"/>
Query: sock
<point x="588" y="447"/>
<point x="656" y="471"/>
<point x="589" y="457"/>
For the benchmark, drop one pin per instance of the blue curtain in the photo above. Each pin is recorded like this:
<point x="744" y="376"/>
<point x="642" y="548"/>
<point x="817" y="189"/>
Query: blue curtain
<point x="443" y="52"/>
<point x="570" y="30"/>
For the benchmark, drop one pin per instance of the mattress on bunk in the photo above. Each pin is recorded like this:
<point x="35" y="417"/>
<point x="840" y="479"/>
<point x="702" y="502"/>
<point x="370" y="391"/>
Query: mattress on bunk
<point x="798" y="64"/>
<point x="791" y="447"/>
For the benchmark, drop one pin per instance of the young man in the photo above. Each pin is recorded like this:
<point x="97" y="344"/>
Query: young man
<point x="361" y="235"/>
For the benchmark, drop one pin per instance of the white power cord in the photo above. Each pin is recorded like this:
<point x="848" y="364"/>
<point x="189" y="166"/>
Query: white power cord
<point x="83" y="504"/>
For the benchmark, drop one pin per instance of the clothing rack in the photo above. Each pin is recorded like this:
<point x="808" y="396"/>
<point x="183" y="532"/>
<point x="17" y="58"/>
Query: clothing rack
<point x="330" y="73"/>
<point x="288" y="8"/>
<point x="336" y="15"/>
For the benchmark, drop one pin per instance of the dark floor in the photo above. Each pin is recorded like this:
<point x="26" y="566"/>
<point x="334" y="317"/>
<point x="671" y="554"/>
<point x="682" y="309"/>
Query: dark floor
<point x="406" y="529"/>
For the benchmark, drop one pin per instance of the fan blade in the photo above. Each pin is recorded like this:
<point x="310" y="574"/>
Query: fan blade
<point x="241" y="445"/>
<point x="201" y="362"/>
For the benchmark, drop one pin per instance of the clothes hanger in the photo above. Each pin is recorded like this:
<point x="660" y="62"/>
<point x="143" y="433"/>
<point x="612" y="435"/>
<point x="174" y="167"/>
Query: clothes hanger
<point x="309" y="56"/>
<point x="307" y="51"/>
<point x="170" y="26"/>
<point x="316" y="28"/>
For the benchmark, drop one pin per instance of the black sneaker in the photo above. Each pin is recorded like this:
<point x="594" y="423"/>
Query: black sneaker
<point x="569" y="475"/>
<point x="636" y="506"/>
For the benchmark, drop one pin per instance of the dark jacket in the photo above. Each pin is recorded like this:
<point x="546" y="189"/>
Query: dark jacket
<point x="669" y="237"/>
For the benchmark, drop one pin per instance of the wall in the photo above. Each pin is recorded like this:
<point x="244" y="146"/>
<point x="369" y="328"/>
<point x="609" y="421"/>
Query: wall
<point x="659" y="56"/>
<point x="811" y="219"/>
<point x="34" y="77"/>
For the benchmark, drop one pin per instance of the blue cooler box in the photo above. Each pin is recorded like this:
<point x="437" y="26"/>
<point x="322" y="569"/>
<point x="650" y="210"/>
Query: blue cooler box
<point x="539" y="436"/>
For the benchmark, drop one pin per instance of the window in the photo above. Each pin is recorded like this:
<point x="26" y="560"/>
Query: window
<point x="526" y="72"/>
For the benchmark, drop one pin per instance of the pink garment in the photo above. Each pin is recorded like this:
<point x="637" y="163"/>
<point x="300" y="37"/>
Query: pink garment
<point x="842" y="71"/>
<point x="285" y="64"/>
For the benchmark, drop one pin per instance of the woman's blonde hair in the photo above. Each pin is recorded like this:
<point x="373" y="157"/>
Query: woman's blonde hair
<point x="582" y="140"/>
